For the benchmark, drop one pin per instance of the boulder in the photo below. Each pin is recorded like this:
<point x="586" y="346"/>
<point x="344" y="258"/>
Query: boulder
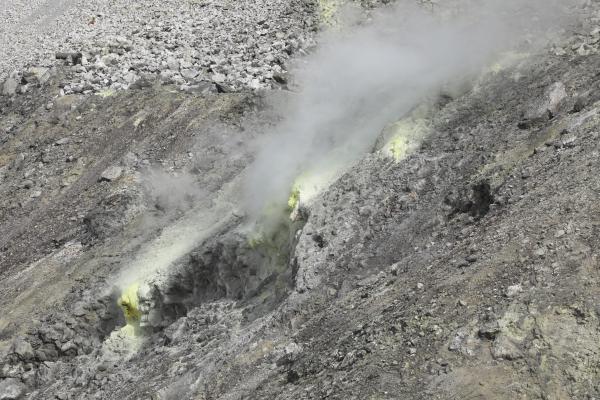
<point x="11" y="389"/>
<point x="23" y="349"/>
<point x="36" y="75"/>
<point x="504" y="348"/>
<point x="548" y="105"/>
<point x="10" y="87"/>
<point x="111" y="174"/>
<point x="190" y="73"/>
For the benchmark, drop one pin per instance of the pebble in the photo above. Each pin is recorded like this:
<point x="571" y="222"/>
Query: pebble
<point x="513" y="290"/>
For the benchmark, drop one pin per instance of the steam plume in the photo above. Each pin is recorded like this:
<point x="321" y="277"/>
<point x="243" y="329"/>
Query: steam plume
<point x="358" y="81"/>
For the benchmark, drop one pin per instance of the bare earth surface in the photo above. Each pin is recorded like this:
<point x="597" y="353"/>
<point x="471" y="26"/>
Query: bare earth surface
<point x="467" y="269"/>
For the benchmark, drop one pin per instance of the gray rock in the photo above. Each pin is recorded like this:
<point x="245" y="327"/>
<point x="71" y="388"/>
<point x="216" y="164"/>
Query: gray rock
<point x="189" y="73"/>
<point x="548" y="105"/>
<point x="131" y="77"/>
<point x="110" y="59"/>
<point x="207" y="87"/>
<point x="173" y="64"/>
<point x="111" y="174"/>
<point x="10" y="87"/>
<point x="556" y="95"/>
<point x="541" y="252"/>
<point x="130" y="159"/>
<point x="584" y="49"/>
<point x="218" y="78"/>
<point x="69" y="348"/>
<point x="513" y="290"/>
<point x="27" y="184"/>
<point x="559" y="51"/>
<point x="489" y="330"/>
<point x="37" y="75"/>
<point x="462" y="342"/>
<point x="11" y="389"/>
<point x="166" y="76"/>
<point x="23" y="349"/>
<point x="281" y="78"/>
<point x="504" y="348"/>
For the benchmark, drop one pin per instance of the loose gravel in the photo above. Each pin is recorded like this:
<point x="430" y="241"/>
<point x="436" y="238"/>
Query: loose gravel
<point x="111" y="44"/>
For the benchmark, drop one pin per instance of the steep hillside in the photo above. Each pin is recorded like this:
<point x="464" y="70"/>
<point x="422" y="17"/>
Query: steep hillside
<point x="452" y="256"/>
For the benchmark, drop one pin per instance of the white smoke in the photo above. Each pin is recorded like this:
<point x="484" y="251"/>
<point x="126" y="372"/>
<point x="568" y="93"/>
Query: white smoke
<point x="169" y="191"/>
<point x="351" y="87"/>
<point x="358" y="81"/>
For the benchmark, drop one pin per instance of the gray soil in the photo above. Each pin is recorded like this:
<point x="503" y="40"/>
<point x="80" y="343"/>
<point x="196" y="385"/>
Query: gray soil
<point x="468" y="270"/>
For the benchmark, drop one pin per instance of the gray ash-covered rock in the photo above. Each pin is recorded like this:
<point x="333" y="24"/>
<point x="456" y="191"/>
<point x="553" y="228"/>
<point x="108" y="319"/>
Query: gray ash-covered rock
<point x="12" y="389"/>
<point x="466" y="270"/>
<point x="111" y="45"/>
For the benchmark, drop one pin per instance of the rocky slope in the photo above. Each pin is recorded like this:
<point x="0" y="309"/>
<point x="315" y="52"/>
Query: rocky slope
<point x="465" y="269"/>
<point x="111" y="45"/>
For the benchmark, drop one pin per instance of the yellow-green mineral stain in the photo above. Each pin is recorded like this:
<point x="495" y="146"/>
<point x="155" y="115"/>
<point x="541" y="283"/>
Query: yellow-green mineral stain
<point x="129" y="303"/>
<point x="294" y="198"/>
<point x="506" y="60"/>
<point x="311" y="182"/>
<point x="328" y="11"/>
<point x="405" y="137"/>
<point x="106" y="93"/>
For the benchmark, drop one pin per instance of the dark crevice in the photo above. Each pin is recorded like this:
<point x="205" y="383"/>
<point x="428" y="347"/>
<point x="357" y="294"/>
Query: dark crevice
<point x="257" y="274"/>
<point x="475" y="201"/>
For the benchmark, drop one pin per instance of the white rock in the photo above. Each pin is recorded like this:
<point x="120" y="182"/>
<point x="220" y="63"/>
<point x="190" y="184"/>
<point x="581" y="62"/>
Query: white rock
<point x="218" y="78"/>
<point x="558" y="92"/>
<point x="11" y="389"/>
<point x="173" y="64"/>
<point x="189" y="73"/>
<point x="514" y="290"/>
<point x="9" y="87"/>
<point x="111" y="174"/>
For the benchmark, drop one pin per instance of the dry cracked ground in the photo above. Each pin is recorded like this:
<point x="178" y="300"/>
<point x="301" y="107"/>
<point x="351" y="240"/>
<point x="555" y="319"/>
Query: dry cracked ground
<point x="466" y="270"/>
